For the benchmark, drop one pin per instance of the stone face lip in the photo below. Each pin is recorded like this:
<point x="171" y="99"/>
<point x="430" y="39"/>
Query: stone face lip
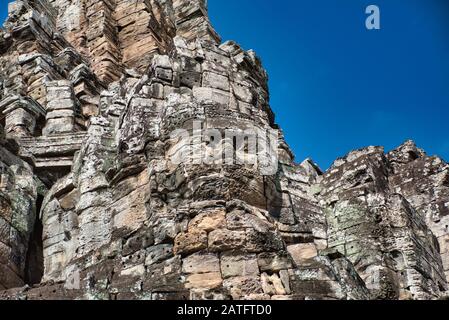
<point x="94" y="205"/>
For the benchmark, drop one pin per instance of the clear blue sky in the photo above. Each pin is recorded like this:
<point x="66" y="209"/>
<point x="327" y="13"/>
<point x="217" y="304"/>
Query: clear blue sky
<point x="336" y="86"/>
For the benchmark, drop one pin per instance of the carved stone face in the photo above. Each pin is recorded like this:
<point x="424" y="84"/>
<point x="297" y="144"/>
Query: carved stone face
<point x="142" y="166"/>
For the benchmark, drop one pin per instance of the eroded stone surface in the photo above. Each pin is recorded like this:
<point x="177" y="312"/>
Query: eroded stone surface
<point x="92" y="207"/>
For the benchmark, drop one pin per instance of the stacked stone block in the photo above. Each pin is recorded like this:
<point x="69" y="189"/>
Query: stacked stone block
<point x="20" y="115"/>
<point x="62" y="108"/>
<point x="102" y="39"/>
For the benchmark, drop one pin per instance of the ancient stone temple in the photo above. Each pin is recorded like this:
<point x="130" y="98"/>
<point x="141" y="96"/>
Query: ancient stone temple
<point x="93" y="207"/>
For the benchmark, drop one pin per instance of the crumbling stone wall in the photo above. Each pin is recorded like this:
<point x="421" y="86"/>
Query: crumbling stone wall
<point x="19" y="193"/>
<point x="379" y="231"/>
<point x="92" y="93"/>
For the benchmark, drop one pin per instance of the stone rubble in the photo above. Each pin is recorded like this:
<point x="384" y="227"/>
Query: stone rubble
<point x="91" y="207"/>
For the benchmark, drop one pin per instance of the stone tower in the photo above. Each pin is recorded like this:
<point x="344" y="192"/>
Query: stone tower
<point x="93" y="205"/>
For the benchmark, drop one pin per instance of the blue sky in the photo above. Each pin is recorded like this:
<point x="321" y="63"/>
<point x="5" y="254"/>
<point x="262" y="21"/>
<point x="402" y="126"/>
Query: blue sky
<point x="336" y="86"/>
<point x="3" y="9"/>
